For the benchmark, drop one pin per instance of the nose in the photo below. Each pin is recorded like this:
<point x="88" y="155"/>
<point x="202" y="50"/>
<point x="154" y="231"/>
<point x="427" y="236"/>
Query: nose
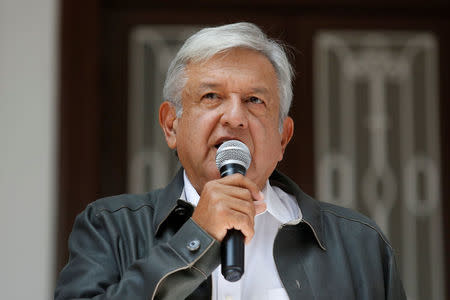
<point x="235" y="113"/>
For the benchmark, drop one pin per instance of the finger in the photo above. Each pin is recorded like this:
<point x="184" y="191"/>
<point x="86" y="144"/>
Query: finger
<point x="238" y="192"/>
<point x="230" y="187"/>
<point x="260" y="207"/>
<point x="244" y="182"/>
<point x="243" y="223"/>
<point x="238" y="205"/>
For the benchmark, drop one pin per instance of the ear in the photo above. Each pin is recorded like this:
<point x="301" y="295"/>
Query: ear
<point x="286" y="135"/>
<point x="169" y="123"/>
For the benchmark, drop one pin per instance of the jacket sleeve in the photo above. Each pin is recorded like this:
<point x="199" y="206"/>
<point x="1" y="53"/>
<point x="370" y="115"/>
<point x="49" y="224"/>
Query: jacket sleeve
<point x="393" y="283"/>
<point x="168" y="271"/>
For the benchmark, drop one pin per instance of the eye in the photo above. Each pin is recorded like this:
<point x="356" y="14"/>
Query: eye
<point x="255" y="100"/>
<point x="210" y="96"/>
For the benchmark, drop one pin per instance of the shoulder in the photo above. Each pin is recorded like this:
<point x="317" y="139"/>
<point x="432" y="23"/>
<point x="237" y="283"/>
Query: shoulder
<point x="123" y="202"/>
<point x="351" y="223"/>
<point x="339" y="212"/>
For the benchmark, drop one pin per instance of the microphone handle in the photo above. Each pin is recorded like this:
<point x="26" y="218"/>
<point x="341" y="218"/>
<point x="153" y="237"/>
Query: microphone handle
<point x="232" y="247"/>
<point x="232" y="255"/>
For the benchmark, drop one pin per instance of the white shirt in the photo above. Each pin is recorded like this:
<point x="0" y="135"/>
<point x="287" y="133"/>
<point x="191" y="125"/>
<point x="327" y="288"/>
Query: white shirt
<point x="260" y="280"/>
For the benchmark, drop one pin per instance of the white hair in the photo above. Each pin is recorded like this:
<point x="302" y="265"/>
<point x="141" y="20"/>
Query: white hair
<point x="213" y="40"/>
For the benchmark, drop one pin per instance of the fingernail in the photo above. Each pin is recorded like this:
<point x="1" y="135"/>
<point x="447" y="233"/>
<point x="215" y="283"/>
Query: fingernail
<point x="259" y="202"/>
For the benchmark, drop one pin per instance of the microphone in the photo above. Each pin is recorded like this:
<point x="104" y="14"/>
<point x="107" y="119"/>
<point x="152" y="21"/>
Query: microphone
<point x="232" y="157"/>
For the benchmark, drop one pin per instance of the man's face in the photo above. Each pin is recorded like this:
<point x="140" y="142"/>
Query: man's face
<point x="233" y="95"/>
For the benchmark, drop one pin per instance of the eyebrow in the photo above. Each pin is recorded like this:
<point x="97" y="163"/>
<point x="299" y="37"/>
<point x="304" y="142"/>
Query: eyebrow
<point x="211" y="85"/>
<point x="260" y="90"/>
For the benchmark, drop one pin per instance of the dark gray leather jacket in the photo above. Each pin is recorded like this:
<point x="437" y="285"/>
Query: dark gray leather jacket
<point x="140" y="247"/>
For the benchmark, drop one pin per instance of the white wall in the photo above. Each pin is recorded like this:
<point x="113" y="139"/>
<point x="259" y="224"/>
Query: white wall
<point x="28" y="57"/>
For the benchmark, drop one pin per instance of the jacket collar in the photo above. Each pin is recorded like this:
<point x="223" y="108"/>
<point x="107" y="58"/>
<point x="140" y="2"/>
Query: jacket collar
<point x="168" y="201"/>
<point x="310" y="208"/>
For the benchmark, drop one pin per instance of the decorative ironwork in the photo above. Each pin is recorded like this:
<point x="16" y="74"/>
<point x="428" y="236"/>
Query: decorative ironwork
<point x="151" y="163"/>
<point x="377" y="142"/>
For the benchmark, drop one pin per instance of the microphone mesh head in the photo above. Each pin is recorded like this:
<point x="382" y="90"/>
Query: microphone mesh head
<point x="233" y="152"/>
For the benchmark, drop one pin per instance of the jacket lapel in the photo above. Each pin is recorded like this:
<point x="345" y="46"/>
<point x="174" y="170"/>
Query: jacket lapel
<point x="310" y="208"/>
<point x="294" y="243"/>
<point x="166" y="200"/>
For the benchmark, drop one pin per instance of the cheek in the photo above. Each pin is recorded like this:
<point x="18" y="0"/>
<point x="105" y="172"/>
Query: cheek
<point x="198" y="125"/>
<point x="269" y="140"/>
<point x="265" y="127"/>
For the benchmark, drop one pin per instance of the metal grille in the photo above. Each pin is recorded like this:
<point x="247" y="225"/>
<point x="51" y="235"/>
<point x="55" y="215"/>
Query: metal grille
<point x="377" y="142"/>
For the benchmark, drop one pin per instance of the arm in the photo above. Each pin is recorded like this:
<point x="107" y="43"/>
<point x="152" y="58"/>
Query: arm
<point x="394" y="287"/>
<point x="169" y="270"/>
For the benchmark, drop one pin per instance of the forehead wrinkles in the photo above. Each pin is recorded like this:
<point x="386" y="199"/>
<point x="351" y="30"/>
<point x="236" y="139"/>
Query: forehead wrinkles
<point x="225" y="70"/>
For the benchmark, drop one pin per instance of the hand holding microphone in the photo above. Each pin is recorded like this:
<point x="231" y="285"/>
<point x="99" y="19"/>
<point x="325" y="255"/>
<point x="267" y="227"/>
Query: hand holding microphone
<point x="227" y="207"/>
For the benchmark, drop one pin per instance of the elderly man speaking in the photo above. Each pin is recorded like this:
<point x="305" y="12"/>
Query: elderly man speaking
<point x="227" y="83"/>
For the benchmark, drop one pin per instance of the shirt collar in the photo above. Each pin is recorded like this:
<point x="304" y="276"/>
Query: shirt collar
<point x="189" y="193"/>
<point x="281" y="205"/>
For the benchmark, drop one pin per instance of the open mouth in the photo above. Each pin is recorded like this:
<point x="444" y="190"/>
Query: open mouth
<point x="224" y="139"/>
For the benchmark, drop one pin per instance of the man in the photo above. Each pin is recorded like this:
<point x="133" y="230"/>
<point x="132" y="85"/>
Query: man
<point x="227" y="83"/>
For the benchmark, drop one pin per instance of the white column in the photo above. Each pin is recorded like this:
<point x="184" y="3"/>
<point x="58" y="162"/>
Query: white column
<point x="28" y="59"/>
